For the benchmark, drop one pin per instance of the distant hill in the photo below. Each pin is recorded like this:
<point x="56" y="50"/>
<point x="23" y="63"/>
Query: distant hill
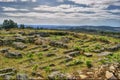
<point x="86" y="27"/>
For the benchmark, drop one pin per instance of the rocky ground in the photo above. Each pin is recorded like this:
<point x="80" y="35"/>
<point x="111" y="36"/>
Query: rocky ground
<point x="52" y="54"/>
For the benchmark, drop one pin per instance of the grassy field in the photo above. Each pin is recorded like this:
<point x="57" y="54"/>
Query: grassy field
<point x="44" y="58"/>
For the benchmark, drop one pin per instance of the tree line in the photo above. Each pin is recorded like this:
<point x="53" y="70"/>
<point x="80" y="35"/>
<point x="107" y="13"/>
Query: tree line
<point x="8" y="24"/>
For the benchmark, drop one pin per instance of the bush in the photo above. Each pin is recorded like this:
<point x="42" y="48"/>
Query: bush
<point x="76" y="62"/>
<point x="40" y="55"/>
<point x="89" y="64"/>
<point x="35" y="67"/>
<point x="30" y="55"/>
<point x="77" y="48"/>
<point x="47" y="69"/>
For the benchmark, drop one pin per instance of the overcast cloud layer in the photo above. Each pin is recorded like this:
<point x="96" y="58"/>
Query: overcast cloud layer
<point x="75" y="12"/>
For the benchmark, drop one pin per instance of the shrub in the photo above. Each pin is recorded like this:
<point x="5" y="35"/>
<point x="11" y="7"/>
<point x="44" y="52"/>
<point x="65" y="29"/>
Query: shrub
<point x="35" y="67"/>
<point x="40" y="55"/>
<point x="30" y="55"/>
<point x="89" y="64"/>
<point x="98" y="46"/>
<point x="47" y="69"/>
<point x="77" y="48"/>
<point x="76" y="62"/>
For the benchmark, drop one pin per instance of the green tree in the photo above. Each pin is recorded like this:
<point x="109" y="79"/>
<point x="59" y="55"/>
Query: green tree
<point x="22" y="26"/>
<point x="7" y="24"/>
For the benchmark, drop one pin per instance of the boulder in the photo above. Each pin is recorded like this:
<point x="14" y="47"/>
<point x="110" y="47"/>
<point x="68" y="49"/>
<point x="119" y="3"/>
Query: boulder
<point x="83" y="76"/>
<point x="13" y="55"/>
<point x="68" y="59"/>
<point x="30" y="39"/>
<point x="68" y="51"/>
<point x="110" y="76"/>
<point x="114" y="48"/>
<point x="20" y="39"/>
<point x="52" y="65"/>
<point x="1" y="42"/>
<point x="56" y="75"/>
<point x="58" y="44"/>
<point x="73" y="54"/>
<point x="19" y="45"/>
<point x="88" y="54"/>
<point x="112" y="68"/>
<point x="4" y="50"/>
<point x="65" y="39"/>
<point x="36" y="74"/>
<point x="50" y="54"/>
<point x="105" y="53"/>
<point x="7" y="77"/>
<point x="21" y="77"/>
<point x="7" y="40"/>
<point x="44" y="34"/>
<point x="7" y="71"/>
<point x="38" y="42"/>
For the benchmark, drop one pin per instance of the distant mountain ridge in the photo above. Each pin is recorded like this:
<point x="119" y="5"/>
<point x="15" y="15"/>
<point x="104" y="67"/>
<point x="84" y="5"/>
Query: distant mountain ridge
<point x="70" y="27"/>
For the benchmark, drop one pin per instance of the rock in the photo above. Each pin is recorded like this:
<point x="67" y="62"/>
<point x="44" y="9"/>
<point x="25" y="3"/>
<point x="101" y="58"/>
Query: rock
<point x="58" y="44"/>
<point x="38" y="42"/>
<point x="21" y="77"/>
<point x="9" y="73"/>
<point x="30" y="39"/>
<point x="7" y="41"/>
<point x="53" y="69"/>
<point x="109" y="75"/>
<point x="44" y="34"/>
<point x="68" y="51"/>
<point x="90" y="73"/>
<point x="65" y="39"/>
<point x="37" y="74"/>
<point x="68" y="58"/>
<point x="114" y="48"/>
<point x="50" y="54"/>
<point x="22" y="33"/>
<point x="112" y="68"/>
<point x="4" y="50"/>
<point x="73" y="54"/>
<point x="52" y="65"/>
<point x="88" y="54"/>
<point x="20" y="39"/>
<point x="13" y="55"/>
<point x="45" y="49"/>
<point x="97" y="51"/>
<point x="19" y="45"/>
<point x="69" y="76"/>
<point x="6" y="70"/>
<point x="44" y="46"/>
<point x="38" y="78"/>
<point x="83" y="76"/>
<point x="1" y="42"/>
<point x="56" y="75"/>
<point x="105" y="53"/>
<point x="7" y="77"/>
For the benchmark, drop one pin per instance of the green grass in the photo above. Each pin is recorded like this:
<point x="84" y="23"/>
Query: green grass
<point x="85" y="43"/>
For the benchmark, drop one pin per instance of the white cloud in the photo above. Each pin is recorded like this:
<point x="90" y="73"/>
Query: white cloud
<point x="64" y="13"/>
<point x="7" y="0"/>
<point x="9" y="9"/>
<point x="115" y="11"/>
<point x="13" y="9"/>
<point x="17" y="0"/>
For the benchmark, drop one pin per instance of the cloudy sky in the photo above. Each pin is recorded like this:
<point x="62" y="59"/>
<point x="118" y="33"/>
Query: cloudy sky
<point x="65" y="12"/>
